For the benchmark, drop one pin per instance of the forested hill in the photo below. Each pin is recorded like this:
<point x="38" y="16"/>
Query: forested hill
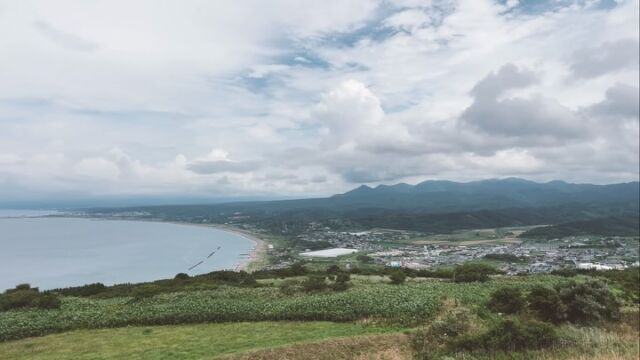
<point x="610" y="226"/>
<point x="428" y="206"/>
<point x="448" y="196"/>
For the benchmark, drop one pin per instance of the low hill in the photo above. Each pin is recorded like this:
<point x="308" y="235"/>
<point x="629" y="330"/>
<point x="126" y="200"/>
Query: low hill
<point x="609" y="226"/>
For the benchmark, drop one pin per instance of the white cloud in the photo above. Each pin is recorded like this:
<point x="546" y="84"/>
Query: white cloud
<point x="307" y="97"/>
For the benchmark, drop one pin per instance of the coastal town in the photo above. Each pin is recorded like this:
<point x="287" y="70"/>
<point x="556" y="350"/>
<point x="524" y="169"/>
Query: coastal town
<point x="394" y="248"/>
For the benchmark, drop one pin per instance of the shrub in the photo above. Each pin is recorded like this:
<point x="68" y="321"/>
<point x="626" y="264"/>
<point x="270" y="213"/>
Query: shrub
<point x="510" y="335"/>
<point x="427" y="342"/>
<point x="455" y="322"/>
<point x="342" y="281"/>
<point x="507" y="300"/>
<point x="547" y="305"/>
<point x="145" y="291"/>
<point x="181" y="276"/>
<point x="589" y="302"/>
<point x="314" y="283"/>
<point x="473" y="272"/>
<point x="340" y="286"/>
<point x="21" y="287"/>
<point x="397" y="277"/>
<point x="46" y="301"/>
<point x="289" y="287"/>
<point x="23" y="296"/>
<point x="343" y="277"/>
<point x="333" y="269"/>
<point x="84" y="290"/>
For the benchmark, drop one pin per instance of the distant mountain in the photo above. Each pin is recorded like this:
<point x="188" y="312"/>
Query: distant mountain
<point x="446" y="196"/>
<point x="430" y="206"/>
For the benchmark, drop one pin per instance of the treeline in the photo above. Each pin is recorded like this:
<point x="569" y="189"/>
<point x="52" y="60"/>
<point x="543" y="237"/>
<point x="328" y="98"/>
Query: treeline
<point x="608" y="226"/>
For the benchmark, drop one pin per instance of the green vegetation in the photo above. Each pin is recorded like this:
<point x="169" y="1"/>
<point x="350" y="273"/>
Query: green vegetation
<point x="626" y="281"/>
<point x="459" y="330"/>
<point x="409" y="304"/>
<point x="178" y="342"/>
<point x="484" y="318"/>
<point x="397" y="277"/>
<point x="609" y="226"/>
<point x="473" y="272"/>
<point x="24" y="296"/>
<point x="507" y="301"/>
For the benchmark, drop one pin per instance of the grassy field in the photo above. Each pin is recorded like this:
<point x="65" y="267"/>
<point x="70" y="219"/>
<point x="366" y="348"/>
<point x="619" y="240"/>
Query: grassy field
<point x="373" y="299"/>
<point x="293" y="340"/>
<point x="278" y="318"/>
<point x="474" y="237"/>
<point x="202" y="341"/>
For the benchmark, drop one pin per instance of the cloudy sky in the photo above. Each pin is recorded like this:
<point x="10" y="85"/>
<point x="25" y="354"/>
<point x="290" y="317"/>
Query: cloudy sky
<point x="304" y="98"/>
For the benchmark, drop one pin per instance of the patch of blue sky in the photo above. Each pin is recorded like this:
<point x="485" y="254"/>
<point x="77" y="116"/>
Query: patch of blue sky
<point x="532" y="7"/>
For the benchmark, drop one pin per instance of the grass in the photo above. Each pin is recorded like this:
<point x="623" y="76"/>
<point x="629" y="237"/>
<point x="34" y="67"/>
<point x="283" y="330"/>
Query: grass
<point x="412" y="303"/>
<point x="474" y="237"/>
<point x="203" y="341"/>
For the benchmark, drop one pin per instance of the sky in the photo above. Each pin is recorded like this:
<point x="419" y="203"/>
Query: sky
<point x="295" y="98"/>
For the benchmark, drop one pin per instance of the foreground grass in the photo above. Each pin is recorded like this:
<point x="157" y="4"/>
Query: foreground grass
<point x="619" y="342"/>
<point x="203" y="341"/>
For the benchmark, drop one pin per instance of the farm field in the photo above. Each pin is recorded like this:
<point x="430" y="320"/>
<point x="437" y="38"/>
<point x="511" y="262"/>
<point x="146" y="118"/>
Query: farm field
<point x="202" y="341"/>
<point x="373" y="299"/>
<point x="475" y="237"/>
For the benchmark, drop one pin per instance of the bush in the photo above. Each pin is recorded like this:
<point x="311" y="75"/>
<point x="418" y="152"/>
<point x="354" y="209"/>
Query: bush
<point x="427" y="342"/>
<point x="46" y="301"/>
<point x="547" y="305"/>
<point x="507" y="301"/>
<point x="314" y="283"/>
<point x="23" y="296"/>
<point x="340" y="286"/>
<point x="342" y="281"/>
<point x="333" y="269"/>
<point x="84" y="290"/>
<point x="289" y="287"/>
<point x="343" y="277"/>
<point x="397" y="277"/>
<point x="589" y="302"/>
<point x="510" y="335"/>
<point x="145" y="291"/>
<point x="473" y="272"/>
<point x="181" y="276"/>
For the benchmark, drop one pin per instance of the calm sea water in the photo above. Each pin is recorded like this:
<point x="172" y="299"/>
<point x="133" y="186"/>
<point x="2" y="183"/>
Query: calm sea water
<point x="61" y="252"/>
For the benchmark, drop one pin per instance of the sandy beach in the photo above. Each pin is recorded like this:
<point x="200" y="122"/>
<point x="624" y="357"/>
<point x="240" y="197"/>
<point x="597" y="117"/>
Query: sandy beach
<point x="259" y="249"/>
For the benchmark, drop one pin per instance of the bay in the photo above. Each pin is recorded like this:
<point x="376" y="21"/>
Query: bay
<point x="61" y="252"/>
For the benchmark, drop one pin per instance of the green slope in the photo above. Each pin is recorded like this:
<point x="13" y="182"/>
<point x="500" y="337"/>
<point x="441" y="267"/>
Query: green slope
<point x="204" y="341"/>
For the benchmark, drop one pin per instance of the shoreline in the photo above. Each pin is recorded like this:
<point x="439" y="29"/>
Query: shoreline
<point x="257" y="253"/>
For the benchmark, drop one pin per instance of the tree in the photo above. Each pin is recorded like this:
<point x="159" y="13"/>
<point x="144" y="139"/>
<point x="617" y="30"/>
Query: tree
<point x="314" y="283"/>
<point x="507" y="300"/>
<point x="333" y="269"/>
<point x="181" y="276"/>
<point x="547" y="305"/>
<point x="397" y="277"/>
<point x="343" y="277"/>
<point x="589" y="302"/>
<point x="473" y="272"/>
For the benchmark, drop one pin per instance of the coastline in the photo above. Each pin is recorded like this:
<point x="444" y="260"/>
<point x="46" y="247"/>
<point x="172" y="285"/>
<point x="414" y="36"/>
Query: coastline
<point x="258" y="252"/>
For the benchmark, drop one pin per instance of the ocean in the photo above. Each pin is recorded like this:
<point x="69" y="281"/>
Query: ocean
<point x="53" y="252"/>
